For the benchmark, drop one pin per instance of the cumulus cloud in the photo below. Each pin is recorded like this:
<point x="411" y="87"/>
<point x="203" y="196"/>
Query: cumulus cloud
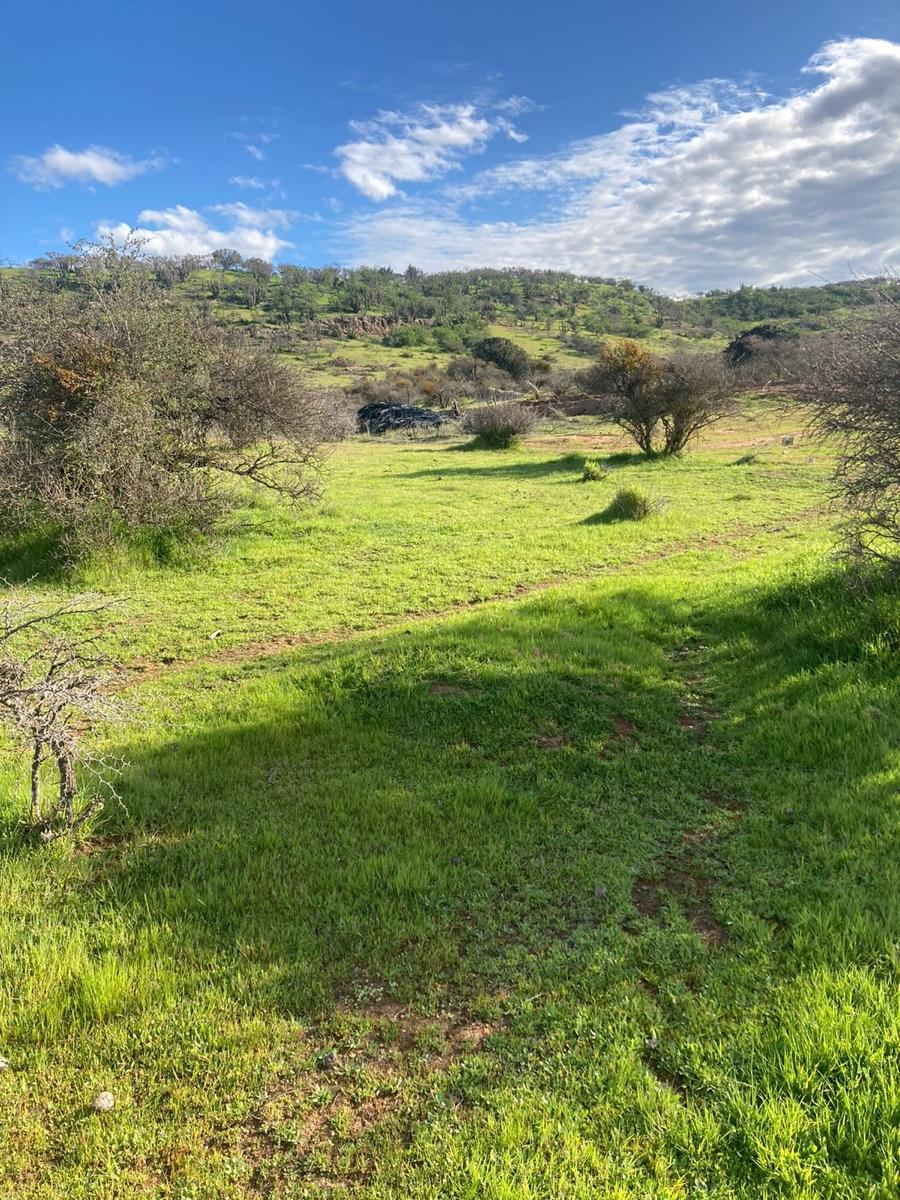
<point x="417" y="147"/>
<point x="58" y="166"/>
<point x="707" y="186"/>
<point x="182" y="230"/>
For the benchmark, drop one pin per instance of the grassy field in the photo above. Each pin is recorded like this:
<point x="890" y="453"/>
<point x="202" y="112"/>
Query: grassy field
<point x="477" y="846"/>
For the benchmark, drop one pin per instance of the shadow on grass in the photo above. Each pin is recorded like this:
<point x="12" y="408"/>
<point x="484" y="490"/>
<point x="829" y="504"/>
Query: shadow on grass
<point x="611" y="515"/>
<point x="433" y="814"/>
<point x="32" y="555"/>
<point x="540" y="469"/>
<point x="629" y="458"/>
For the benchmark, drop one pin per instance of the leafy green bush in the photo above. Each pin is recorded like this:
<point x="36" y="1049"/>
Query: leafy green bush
<point x="629" y="504"/>
<point x="504" y="354"/>
<point x="592" y="471"/>
<point x="402" y="336"/>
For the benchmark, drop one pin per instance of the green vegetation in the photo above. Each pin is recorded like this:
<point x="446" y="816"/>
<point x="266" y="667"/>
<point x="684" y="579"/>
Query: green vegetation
<point x="628" y="504"/>
<point x="471" y="848"/>
<point x="592" y="471"/>
<point x="338" y="323"/>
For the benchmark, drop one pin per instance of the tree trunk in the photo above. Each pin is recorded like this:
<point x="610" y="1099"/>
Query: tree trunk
<point x="67" y="786"/>
<point x="36" y="759"/>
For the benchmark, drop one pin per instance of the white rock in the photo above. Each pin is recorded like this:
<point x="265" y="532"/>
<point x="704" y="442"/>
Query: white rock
<point x="4" y="1064"/>
<point x="103" y="1102"/>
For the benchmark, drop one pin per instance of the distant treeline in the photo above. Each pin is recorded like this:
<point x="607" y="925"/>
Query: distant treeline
<point x="456" y="306"/>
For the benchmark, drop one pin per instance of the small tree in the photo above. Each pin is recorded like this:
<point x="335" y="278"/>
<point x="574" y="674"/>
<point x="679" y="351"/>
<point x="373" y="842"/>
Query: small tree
<point x="852" y="385"/>
<point x="121" y="408"/>
<point x="226" y="259"/>
<point x="629" y="377"/>
<point x="503" y="354"/>
<point x="661" y="403"/>
<point x="51" y="685"/>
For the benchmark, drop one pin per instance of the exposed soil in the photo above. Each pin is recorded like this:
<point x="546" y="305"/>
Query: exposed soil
<point x="361" y="1071"/>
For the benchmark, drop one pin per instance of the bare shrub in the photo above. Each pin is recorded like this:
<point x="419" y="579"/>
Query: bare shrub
<point x="52" y="685"/>
<point x="661" y="403"/>
<point x="425" y="387"/>
<point x="121" y="408"/>
<point x="852" y="385"/>
<point x="499" y="426"/>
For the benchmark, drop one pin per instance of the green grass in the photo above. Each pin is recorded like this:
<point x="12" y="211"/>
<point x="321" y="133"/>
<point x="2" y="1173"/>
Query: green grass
<point x="486" y="853"/>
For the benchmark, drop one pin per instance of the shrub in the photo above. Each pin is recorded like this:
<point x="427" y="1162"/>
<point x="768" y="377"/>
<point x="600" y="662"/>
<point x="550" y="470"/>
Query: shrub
<point x="427" y="386"/>
<point x="499" y="426"/>
<point x="628" y="504"/>
<point x="51" y="687"/>
<point x="661" y="403"/>
<point x="122" y="410"/>
<point x="402" y="336"/>
<point x="504" y="354"/>
<point x="853" y="391"/>
<point x="592" y="471"/>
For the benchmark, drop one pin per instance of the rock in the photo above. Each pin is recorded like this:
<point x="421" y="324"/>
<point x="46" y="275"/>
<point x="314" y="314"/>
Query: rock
<point x="380" y="417"/>
<point x="651" y="1042"/>
<point x="4" y="1064"/>
<point x="104" y="1102"/>
<point x="328" y="1061"/>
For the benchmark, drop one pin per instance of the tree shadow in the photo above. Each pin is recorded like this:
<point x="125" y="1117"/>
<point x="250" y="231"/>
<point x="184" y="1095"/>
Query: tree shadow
<point x="568" y="463"/>
<point x="629" y="458"/>
<point x="31" y="555"/>
<point x="348" y="820"/>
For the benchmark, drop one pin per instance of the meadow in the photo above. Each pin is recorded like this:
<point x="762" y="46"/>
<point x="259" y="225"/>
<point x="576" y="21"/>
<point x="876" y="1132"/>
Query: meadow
<point x="475" y="844"/>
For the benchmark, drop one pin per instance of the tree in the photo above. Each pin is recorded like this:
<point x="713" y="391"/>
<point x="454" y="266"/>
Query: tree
<point x="661" y="403"/>
<point x="120" y="408"/>
<point x="852" y="385"/>
<point x="261" y="270"/>
<point x="226" y="259"/>
<point x="750" y="342"/>
<point x="503" y="354"/>
<point x="51" y="683"/>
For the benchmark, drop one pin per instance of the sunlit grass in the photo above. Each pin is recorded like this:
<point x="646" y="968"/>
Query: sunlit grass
<point x="484" y="852"/>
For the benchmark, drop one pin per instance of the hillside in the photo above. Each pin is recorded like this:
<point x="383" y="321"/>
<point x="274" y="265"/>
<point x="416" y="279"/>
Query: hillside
<point x="338" y="324"/>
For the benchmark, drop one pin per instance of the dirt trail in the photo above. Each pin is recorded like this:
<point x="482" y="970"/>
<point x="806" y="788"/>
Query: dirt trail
<point x="150" y="668"/>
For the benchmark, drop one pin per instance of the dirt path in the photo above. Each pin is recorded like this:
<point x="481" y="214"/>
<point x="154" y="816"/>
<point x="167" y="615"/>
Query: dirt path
<point x="150" y="668"/>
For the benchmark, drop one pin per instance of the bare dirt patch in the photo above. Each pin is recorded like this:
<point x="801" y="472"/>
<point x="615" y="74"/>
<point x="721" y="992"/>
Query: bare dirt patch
<point x="682" y="880"/>
<point x="438" y="688"/>
<point x="551" y="741"/>
<point x="360" y="1073"/>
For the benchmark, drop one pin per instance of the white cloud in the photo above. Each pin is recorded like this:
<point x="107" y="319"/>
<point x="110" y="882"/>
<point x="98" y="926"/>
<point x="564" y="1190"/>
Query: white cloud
<point x="709" y="185"/>
<point x="417" y="147"/>
<point x="253" y="143"/>
<point x="248" y="181"/>
<point x="244" y="214"/>
<point x="182" y="230"/>
<point x="97" y="164"/>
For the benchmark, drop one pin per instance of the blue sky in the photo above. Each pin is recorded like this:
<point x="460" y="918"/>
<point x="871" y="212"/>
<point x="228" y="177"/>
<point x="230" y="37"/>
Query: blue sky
<point x="688" y="145"/>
